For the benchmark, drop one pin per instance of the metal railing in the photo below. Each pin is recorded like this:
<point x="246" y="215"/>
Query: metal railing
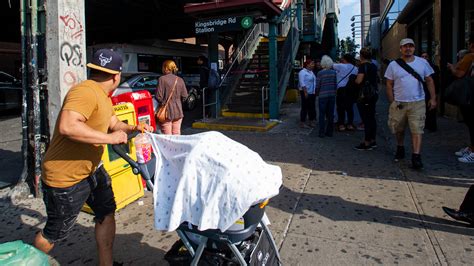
<point x="264" y="98"/>
<point x="287" y="55"/>
<point x="246" y="48"/>
<point x="204" y="105"/>
<point x="240" y="59"/>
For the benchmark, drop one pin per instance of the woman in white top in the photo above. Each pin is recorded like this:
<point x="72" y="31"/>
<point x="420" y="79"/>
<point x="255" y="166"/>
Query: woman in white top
<point x="346" y="73"/>
<point x="307" y="87"/>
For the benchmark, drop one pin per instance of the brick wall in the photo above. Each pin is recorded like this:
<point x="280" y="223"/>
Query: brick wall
<point x="391" y="41"/>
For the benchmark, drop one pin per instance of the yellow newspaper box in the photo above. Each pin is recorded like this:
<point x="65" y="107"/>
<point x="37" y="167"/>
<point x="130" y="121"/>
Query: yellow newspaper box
<point x="127" y="187"/>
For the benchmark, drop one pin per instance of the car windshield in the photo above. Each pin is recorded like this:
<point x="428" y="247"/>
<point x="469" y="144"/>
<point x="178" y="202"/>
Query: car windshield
<point x="147" y="81"/>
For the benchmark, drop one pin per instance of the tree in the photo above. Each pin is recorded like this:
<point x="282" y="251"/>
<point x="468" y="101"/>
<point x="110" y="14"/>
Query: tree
<point x="348" y="46"/>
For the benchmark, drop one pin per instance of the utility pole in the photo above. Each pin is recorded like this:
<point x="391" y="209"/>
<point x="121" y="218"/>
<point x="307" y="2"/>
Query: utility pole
<point x="65" y="51"/>
<point x="64" y="48"/>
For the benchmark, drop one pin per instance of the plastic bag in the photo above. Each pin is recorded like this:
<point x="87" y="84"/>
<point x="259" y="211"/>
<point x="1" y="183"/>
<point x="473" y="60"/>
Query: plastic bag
<point x="143" y="147"/>
<point x="20" y="254"/>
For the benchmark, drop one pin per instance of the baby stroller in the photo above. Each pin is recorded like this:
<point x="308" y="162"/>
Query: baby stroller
<point x="251" y="245"/>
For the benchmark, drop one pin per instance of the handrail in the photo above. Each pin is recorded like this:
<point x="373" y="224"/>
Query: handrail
<point x="247" y="46"/>
<point x="287" y="54"/>
<point x="204" y="105"/>
<point x="264" y="98"/>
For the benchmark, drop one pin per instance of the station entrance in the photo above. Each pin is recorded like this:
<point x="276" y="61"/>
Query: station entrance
<point x="252" y="43"/>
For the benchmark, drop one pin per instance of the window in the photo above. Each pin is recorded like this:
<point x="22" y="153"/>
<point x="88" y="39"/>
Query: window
<point x="153" y="63"/>
<point x="145" y="82"/>
<point x="395" y="9"/>
<point x="189" y="65"/>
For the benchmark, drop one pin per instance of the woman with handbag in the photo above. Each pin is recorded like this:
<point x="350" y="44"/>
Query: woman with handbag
<point x="346" y="73"/>
<point x="170" y="93"/>
<point x="368" y="96"/>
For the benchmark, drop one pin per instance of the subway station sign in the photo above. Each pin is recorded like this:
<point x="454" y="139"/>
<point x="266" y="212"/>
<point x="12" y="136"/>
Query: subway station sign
<point x="223" y="24"/>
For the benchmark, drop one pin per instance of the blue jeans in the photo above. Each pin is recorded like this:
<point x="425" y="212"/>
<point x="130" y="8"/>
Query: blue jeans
<point x="326" y="115"/>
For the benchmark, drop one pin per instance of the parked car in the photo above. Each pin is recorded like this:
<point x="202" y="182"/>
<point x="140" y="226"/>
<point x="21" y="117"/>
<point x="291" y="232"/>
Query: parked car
<point x="10" y="92"/>
<point x="148" y="81"/>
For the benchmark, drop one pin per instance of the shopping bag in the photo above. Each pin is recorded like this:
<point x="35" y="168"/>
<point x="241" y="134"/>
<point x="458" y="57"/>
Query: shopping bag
<point x="17" y="253"/>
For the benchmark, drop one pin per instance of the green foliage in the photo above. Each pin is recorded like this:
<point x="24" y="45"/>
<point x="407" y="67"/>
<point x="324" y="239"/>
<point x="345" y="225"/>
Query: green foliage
<point x="348" y="46"/>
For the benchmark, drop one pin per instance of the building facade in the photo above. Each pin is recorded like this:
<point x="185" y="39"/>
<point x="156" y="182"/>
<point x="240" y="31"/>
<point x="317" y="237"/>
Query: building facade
<point x="439" y="27"/>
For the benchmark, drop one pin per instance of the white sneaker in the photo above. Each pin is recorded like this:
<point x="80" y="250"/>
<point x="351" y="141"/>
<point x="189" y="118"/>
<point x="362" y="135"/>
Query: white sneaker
<point x="463" y="152"/>
<point x="467" y="159"/>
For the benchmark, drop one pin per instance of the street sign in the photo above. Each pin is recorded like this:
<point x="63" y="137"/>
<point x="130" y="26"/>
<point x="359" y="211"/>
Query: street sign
<point x="246" y="22"/>
<point x="231" y="23"/>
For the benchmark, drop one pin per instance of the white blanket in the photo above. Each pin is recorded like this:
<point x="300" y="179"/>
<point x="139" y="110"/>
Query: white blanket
<point x="209" y="180"/>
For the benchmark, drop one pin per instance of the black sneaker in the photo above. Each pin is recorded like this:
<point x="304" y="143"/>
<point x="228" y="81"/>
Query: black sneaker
<point x="400" y="154"/>
<point x="416" y="161"/>
<point x="363" y="147"/>
<point x="373" y="144"/>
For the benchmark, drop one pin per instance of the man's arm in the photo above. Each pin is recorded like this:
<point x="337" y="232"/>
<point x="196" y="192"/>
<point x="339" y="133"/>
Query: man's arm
<point x="72" y="125"/>
<point x="389" y="90"/>
<point x="456" y="70"/>
<point x="431" y="88"/>
<point x="360" y="78"/>
<point x="460" y="69"/>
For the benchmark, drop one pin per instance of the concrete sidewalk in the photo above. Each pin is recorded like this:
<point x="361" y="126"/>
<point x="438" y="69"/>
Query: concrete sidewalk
<point x="338" y="206"/>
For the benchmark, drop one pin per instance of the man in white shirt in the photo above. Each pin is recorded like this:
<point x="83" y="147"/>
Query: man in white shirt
<point x="307" y="87"/>
<point x="406" y="96"/>
<point x="345" y="92"/>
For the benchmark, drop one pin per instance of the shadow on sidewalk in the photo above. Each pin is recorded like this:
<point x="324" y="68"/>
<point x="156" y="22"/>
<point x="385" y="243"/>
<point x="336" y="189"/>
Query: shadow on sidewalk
<point x="336" y="208"/>
<point x="12" y="163"/>
<point x="20" y="222"/>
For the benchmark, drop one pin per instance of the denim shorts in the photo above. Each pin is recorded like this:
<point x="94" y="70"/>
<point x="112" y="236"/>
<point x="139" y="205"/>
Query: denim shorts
<point x="64" y="204"/>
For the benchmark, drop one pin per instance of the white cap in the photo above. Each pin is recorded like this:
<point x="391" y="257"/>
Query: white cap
<point x="406" y="41"/>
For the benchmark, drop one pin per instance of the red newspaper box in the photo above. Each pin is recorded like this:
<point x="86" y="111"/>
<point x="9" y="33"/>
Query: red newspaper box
<point x="143" y="104"/>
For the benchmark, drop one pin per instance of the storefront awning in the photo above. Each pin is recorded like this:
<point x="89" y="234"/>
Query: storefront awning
<point x="413" y="7"/>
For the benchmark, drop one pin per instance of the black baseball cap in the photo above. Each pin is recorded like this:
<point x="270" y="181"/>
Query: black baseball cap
<point x="106" y="60"/>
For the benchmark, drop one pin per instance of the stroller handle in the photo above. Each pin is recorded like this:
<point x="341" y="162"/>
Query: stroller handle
<point x="120" y="150"/>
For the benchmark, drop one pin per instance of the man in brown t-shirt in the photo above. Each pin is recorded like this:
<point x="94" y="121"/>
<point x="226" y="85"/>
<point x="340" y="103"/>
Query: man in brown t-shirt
<point x="464" y="68"/>
<point x="72" y="174"/>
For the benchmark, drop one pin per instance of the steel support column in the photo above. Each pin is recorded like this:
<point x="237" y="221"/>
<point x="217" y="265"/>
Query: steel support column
<point x="299" y="16"/>
<point x="213" y="51"/>
<point x="65" y="51"/>
<point x="273" y="71"/>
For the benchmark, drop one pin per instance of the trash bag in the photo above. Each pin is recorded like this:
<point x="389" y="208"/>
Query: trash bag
<point x="17" y="253"/>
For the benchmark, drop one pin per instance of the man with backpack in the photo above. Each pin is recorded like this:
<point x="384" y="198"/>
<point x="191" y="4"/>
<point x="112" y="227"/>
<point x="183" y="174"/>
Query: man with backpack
<point x="406" y="78"/>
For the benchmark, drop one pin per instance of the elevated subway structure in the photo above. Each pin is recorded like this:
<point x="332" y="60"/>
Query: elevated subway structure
<point x="255" y="82"/>
<point x="56" y="40"/>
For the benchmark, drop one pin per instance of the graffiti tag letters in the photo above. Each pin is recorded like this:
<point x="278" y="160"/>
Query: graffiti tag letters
<point x="71" y="54"/>
<point x="73" y="27"/>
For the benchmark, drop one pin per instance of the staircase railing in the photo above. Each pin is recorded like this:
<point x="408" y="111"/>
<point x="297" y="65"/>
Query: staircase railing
<point x="287" y="54"/>
<point x="240" y="58"/>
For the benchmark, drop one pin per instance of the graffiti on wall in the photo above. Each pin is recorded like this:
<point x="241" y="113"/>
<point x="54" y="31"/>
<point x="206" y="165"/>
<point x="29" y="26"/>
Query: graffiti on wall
<point x="71" y="44"/>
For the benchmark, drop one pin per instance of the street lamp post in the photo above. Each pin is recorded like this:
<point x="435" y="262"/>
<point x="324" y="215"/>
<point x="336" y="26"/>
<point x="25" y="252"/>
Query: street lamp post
<point x="363" y="22"/>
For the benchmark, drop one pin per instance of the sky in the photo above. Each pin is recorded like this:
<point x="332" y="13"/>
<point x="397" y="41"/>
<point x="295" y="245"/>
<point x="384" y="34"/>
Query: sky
<point x="348" y="9"/>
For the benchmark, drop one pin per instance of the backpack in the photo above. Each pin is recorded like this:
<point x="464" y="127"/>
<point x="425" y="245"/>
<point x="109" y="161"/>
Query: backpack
<point x="214" y="79"/>
<point x="367" y="91"/>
